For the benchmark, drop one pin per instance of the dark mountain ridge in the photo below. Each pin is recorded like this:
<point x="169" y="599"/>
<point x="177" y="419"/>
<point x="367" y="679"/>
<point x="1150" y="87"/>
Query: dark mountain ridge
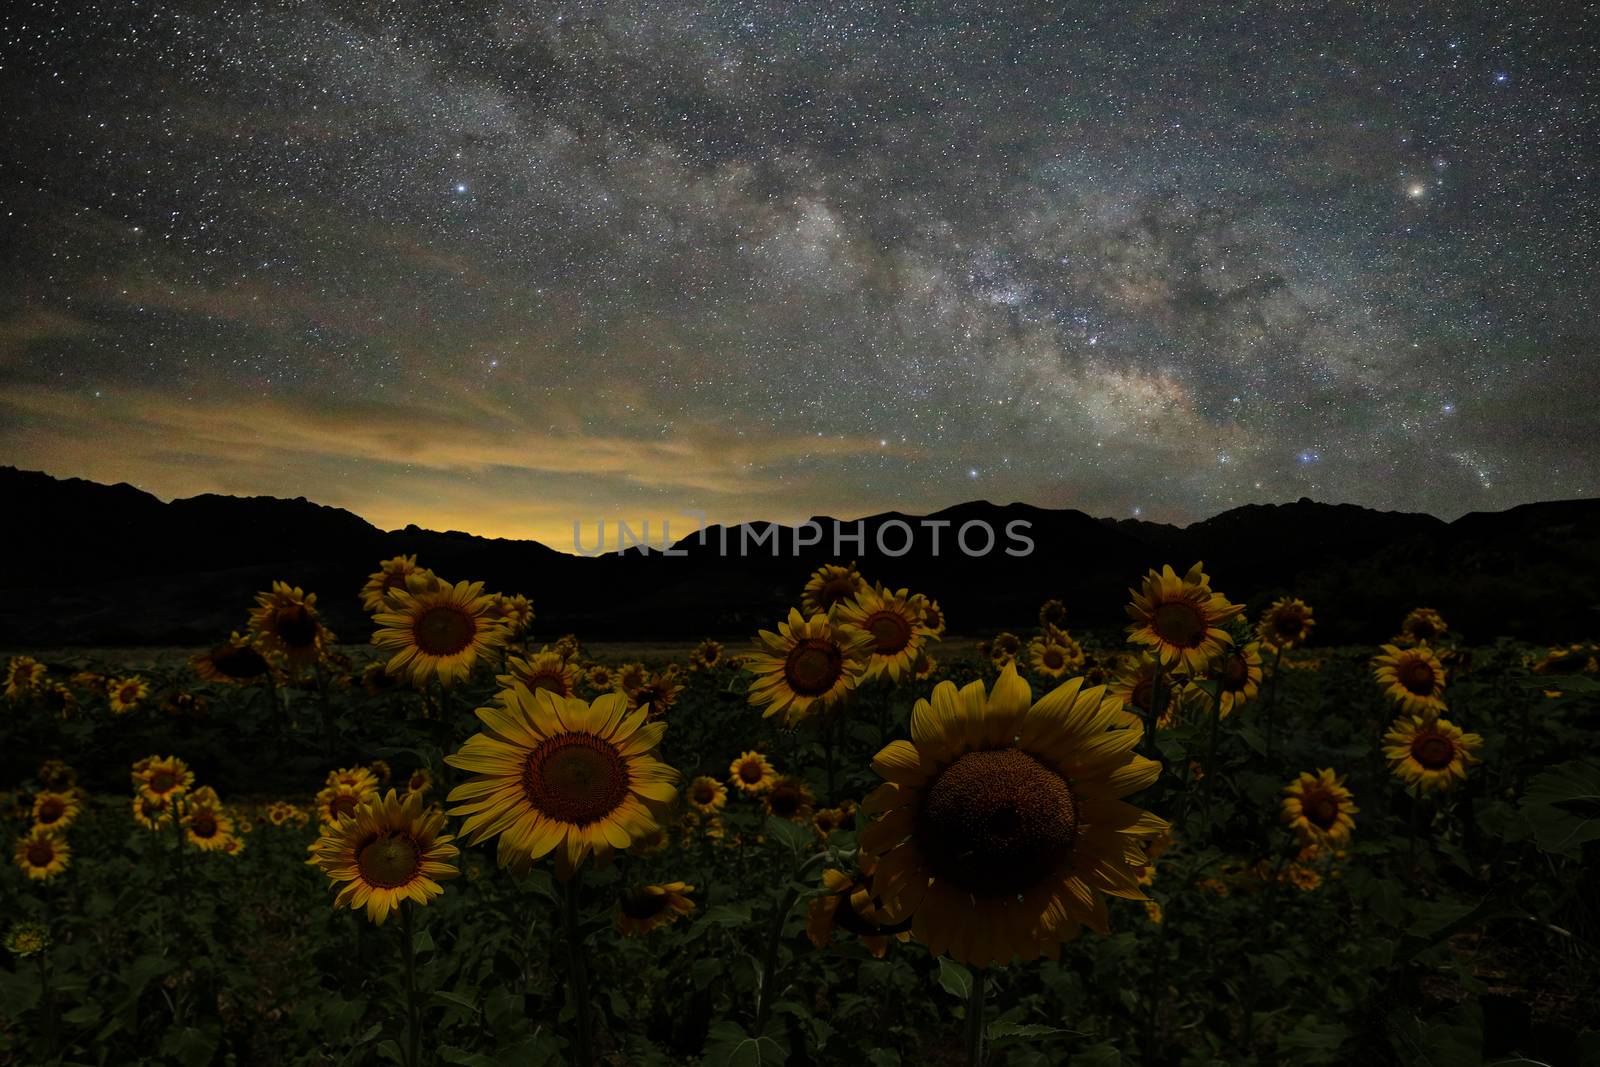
<point x="94" y="564"/>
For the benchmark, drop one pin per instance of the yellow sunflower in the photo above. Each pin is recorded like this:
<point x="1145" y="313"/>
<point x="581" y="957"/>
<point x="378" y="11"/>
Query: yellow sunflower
<point x="162" y="779"/>
<point x="280" y="813"/>
<point x="1052" y="614"/>
<point x="1286" y="624"/>
<point x="55" y="811"/>
<point x="706" y="656"/>
<point x="125" y="694"/>
<point x="848" y="906"/>
<point x="630" y="678"/>
<point x="1134" y="685"/>
<point x="1422" y="626"/>
<point x="808" y="666"/>
<point x="393" y="574"/>
<point x="830" y="584"/>
<point x="752" y="773"/>
<point x="362" y="779"/>
<point x="207" y="827"/>
<point x="706" y="795"/>
<point x="601" y="679"/>
<point x="235" y="662"/>
<point x="388" y="851"/>
<point x="42" y="855"/>
<point x="788" y="797"/>
<point x="1239" y="673"/>
<point x="893" y="619"/>
<point x="1412" y="678"/>
<point x="828" y="820"/>
<point x="1318" y="808"/>
<point x="25" y="939"/>
<point x="22" y="674"/>
<point x="1427" y="753"/>
<point x="646" y="907"/>
<point x="933" y="617"/>
<point x="440" y="631"/>
<point x="56" y="775"/>
<point x="287" y="627"/>
<point x="420" y="781"/>
<point x="658" y="695"/>
<point x="557" y="774"/>
<point x="926" y="667"/>
<point x="515" y="613"/>
<point x="1054" y="655"/>
<point x="1001" y="825"/>
<point x="1179" y="618"/>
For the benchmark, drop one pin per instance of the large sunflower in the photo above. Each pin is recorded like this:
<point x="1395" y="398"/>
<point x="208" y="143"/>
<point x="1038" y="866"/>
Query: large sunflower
<point x="556" y="774"/>
<point x="808" y="666"/>
<point x="1429" y="753"/>
<point x="1238" y="672"/>
<point x="440" y="631"/>
<point x="1318" y="808"/>
<point x="1412" y="678"/>
<point x="162" y="778"/>
<point x="830" y="584"/>
<point x="893" y="619"/>
<point x="543" y="670"/>
<point x="1179" y="618"/>
<point x="387" y="852"/>
<point x="287" y="627"/>
<point x="41" y="854"/>
<point x="1002" y="826"/>
<point x="1286" y="624"/>
<point x="55" y="811"/>
<point x="393" y="574"/>
<point x="234" y="661"/>
<point x="126" y="694"/>
<point x="752" y="773"/>
<point x="646" y="907"/>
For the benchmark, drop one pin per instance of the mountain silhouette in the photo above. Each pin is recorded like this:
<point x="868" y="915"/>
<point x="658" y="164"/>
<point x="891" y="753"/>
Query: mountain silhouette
<point x="97" y="565"/>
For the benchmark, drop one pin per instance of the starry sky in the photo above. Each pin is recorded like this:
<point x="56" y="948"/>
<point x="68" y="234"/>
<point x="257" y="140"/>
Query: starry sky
<point x="500" y="267"/>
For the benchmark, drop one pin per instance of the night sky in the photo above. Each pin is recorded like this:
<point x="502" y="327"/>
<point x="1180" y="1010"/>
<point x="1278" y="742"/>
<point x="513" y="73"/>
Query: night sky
<point x="498" y="268"/>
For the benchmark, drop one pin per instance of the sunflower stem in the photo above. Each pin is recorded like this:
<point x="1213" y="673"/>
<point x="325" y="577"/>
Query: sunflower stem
<point x="1211" y="760"/>
<point x="47" y="1002"/>
<point x="413" y="1016"/>
<point x="769" y="955"/>
<point x="1272" y="696"/>
<point x="577" y="973"/>
<point x="975" y="998"/>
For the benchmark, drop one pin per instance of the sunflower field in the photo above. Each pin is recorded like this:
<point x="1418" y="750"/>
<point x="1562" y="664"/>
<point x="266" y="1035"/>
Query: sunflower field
<point x="851" y="839"/>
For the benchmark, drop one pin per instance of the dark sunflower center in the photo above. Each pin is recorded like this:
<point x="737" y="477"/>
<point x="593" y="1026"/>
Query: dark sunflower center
<point x="163" y="781"/>
<point x="751" y="771"/>
<point x="417" y="782"/>
<point x="932" y="617"/>
<point x="1053" y="659"/>
<point x="710" y="655"/>
<point x="1433" y="752"/>
<point x="996" y="823"/>
<point x="1143" y="693"/>
<point x="575" y="778"/>
<point x="1417" y="677"/>
<point x="1235" y="672"/>
<point x="51" y="810"/>
<point x="128" y="694"/>
<point x="1290" y="623"/>
<point x="1179" y="623"/>
<point x="704" y="793"/>
<point x="890" y="632"/>
<point x="389" y="860"/>
<point x="40" y="854"/>
<point x="343" y="804"/>
<point x="238" y="662"/>
<point x="641" y="904"/>
<point x="835" y="590"/>
<point x="812" y="667"/>
<point x="1423" y="631"/>
<point x="551" y="681"/>
<point x="1321" y="810"/>
<point x="295" y="627"/>
<point x="204" y="824"/>
<point x="444" y="631"/>
<point x="785" y="800"/>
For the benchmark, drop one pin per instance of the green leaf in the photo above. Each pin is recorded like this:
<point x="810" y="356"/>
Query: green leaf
<point x="727" y="1045"/>
<point x="1567" y="683"/>
<point x="1001" y="1034"/>
<point x="954" y="978"/>
<point x="456" y="1000"/>
<point x="796" y="838"/>
<point x="1563" y="807"/>
<point x="1314" y="1041"/>
<point x="423" y="942"/>
<point x="190" y="1047"/>
<point x="1103" y="1054"/>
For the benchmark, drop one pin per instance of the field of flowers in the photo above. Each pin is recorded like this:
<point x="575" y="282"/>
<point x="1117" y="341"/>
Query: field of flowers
<point x="1204" y="839"/>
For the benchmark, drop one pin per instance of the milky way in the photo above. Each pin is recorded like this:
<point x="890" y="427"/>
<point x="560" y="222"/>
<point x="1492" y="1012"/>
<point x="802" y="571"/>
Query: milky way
<point x="499" y="268"/>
